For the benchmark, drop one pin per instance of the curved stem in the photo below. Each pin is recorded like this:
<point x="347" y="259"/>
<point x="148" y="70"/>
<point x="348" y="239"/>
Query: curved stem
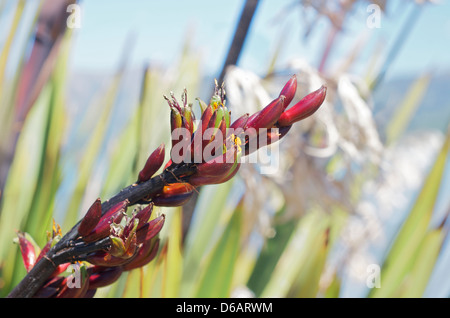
<point x="66" y="251"/>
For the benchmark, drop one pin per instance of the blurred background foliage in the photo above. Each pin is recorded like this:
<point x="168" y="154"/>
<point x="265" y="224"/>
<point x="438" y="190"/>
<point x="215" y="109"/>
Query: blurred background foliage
<point x="364" y="181"/>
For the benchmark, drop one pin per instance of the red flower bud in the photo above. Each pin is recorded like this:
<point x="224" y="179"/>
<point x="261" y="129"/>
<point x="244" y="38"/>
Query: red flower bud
<point x="103" y="258"/>
<point x="27" y="250"/>
<point x="150" y="229"/>
<point x="100" y="276"/>
<point x="289" y="90"/>
<point x="144" y="215"/>
<point x="44" y="250"/>
<point x="103" y="228"/>
<point x="144" y="255"/>
<point x="174" y="194"/>
<point x="304" y="108"/>
<point x="218" y="166"/>
<point x="154" y="162"/>
<point x="205" y="180"/>
<point x="268" y="116"/>
<point x="91" y="218"/>
<point x="240" y="122"/>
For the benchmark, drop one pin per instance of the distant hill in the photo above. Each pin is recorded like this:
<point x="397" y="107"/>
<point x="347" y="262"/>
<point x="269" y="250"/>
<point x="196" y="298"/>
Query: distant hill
<point x="433" y="112"/>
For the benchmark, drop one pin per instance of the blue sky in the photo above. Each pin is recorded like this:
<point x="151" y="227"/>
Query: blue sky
<point x="160" y="27"/>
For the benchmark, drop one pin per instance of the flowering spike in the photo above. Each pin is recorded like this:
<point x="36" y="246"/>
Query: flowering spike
<point x="153" y="163"/>
<point x="304" y="108"/>
<point x="91" y="218"/>
<point x="289" y="90"/>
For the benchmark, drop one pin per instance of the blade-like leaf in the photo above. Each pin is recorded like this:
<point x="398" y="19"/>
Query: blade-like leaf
<point x="399" y="261"/>
<point x="216" y="281"/>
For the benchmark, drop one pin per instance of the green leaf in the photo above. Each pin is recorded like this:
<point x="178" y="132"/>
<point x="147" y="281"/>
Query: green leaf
<point x="174" y="260"/>
<point x="407" y="108"/>
<point x="399" y="261"/>
<point x="216" y="281"/>
<point x="21" y="184"/>
<point x="270" y="255"/>
<point x="293" y="265"/>
<point x="417" y="280"/>
<point x="210" y="218"/>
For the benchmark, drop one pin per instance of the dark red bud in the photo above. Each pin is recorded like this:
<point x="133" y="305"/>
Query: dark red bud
<point x="240" y="122"/>
<point x="144" y="255"/>
<point x="289" y="90"/>
<point x="100" y="276"/>
<point x="218" y="166"/>
<point x="144" y="215"/>
<point x="44" y="250"/>
<point x="154" y="162"/>
<point x="304" y="108"/>
<point x="103" y="228"/>
<point x="175" y="194"/>
<point x="154" y="227"/>
<point x="206" y="118"/>
<point x="268" y="116"/>
<point x="199" y="180"/>
<point x="102" y="258"/>
<point x="91" y="218"/>
<point x="27" y="251"/>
